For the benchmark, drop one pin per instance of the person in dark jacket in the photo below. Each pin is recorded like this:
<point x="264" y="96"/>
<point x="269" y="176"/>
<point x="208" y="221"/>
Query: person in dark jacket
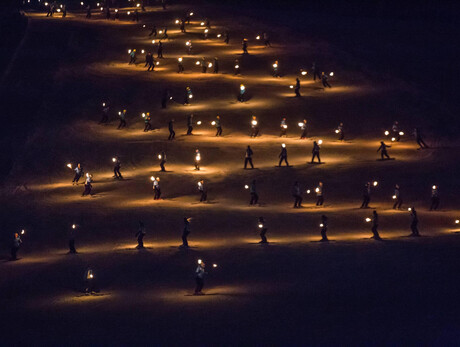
<point x="140" y="236"/>
<point x="323" y="227"/>
<point x="189" y="124"/>
<point x="186" y="231"/>
<point x="315" y="152"/>
<point x="172" y="133"/>
<point x="414" y="222"/>
<point x="78" y="173"/>
<point x="253" y="192"/>
<point x="17" y="241"/>
<point x="375" y="225"/>
<point x="147" y="119"/>
<point x="297" y="195"/>
<point x="283" y="155"/>
<point x="263" y="230"/>
<point x="434" y="198"/>
<point x="72" y="232"/>
<point x="383" y="151"/>
<point x="116" y="168"/>
<point x="162" y="158"/>
<point x="397" y="197"/>
<point x="248" y="158"/>
<point x="203" y="191"/>
<point x="199" y="278"/>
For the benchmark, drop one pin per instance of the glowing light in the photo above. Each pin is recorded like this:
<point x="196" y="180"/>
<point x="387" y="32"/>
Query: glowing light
<point x="97" y="4"/>
<point x="434" y="187"/>
<point x="331" y="74"/>
<point x="210" y="65"/>
<point x="69" y="166"/>
<point x="301" y="124"/>
<point x="254" y="122"/>
<point x="142" y="51"/>
<point x="303" y="73"/>
<point x="90" y="275"/>
<point x="116" y="10"/>
<point x="317" y="190"/>
<point x="283" y="145"/>
<point x="237" y="66"/>
<point x="198" y="123"/>
<point x="394" y="197"/>
<point x="198" y="157"/>
<point x="409" y="209"/>
<point x="152" y="178"/>
<point x="337" y="131"/>
<point x="73" y="226"/>
<point x="188" y="43"/>
<point x="138" y="5"/>
<point x="246" y="187"/>
<point x="143" y="26"/>
<point x="191" y="13"/>
<point x="114" y="160"/>
<point x="103" y="104"/>
<point x="387" y="133"/>
<point x="375" y="183"/>
<point x="119" y="113"/>
<point x="219" y="35"/>
<point x="81" y="3"/>
<point x="275" y="65"/>
<point x="368" y="220"/>
<point x="129" y="51"/>
<point x="214" y="265"/>
<point x="258" y="37"/>
<point x="213" y="123"/>
<point x="261" y="226"/>
<point x="202" y="23"/>
<point x="129" y="12"/>
<point x="161" y="31"/>
<point x="401" y="133"/>
<point x="320" y="142"/>
<point x="157" y="63"/>
<point x="177" y="21"/>
<point x="58" y="10"/>
<point x="180" y="59"/>
<point x="206" y="31"/>
<point x="284" y="126"/>
<point x="190" y="96"/>
<point x="242" y="88"/>
<point x="457" y="221"/>
<point x="197" y="62"/>
<point x="23" y="232"/>
<point x="291" y="86"/>
<point x="153" y="41"/>
<point x="308" y="191"/>
<point x="321" y="225"/>
<point x="159" y="156"/>
<point x="393" y="139"/>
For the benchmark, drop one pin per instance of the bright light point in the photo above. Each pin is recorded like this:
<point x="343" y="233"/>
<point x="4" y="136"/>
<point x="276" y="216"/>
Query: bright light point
<point x="138" y="5"/>
<point x="409" y="209"/>
<point x="159" y="156"/>
<point x="393" y="139"/>
<point x="81" y="3"/>
<point x="337" y="131"/>
<point x="180" y="59"/>
<point x="320" y="142"/>
<point x="457" y="221"/>
<point x="199" y="122"/>
<point x="191" y="13"/>
<point x="143" y="26"/>
<point x="376" y="183"/>
<point x="434" y="187"/>
<point x="304" y="73"/>
<point x="197" y="62"/>
<point x="394" y="197"/>
<point x="177" y="21"/>
<point x="254" y="122"/>
<point x="142" y="51"/>
<point x="157" y="63"/>
<point x="161" y="31"/>
<point x="261" y="226"/>
<point x="199" y="261"/>
<point x="23" y="232"/>
<point x="153" y="41"/>
<point x="129" y="51"/>
<point x="291" y="86"/>
<point x="129" y="12"/>
<point x="283" y="145"/>
<point x="317" y="190"/>
<point x="152" y="178"/>
<point x="367" y="219"/>
<point x="275" y="65"/>
<point x="202" y="23"/>
<point x="69" y="166"/>
<point x="308" y="191"/>
<point x="331" y="74"/>
<point x="387" y="133"/>
<point x="114" y="160"/>
<point x="210" y="65"/>
<point x="214" y="265"/>
<point x="257" y="37"/>
<point x="301" y="124"/>
<point x="219" y="35"/>
<point x="213" y="123"/>
<point x="401" y="133"/>
<point x="206" y="30"/>
<point x="321" y="225"/>
<point x="73" y="226"/>
<point x="246" y="187"/>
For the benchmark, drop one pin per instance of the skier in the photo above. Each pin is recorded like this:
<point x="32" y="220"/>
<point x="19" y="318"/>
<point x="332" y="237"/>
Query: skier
<point x="366" y="195"/>
<point x="162" y="161"/>
<point x="90" y="282"/>
<point x="188" y="96"/>
<point x="253" y="193"/>
<point x="197" y="159"/>
<point x="199" y="278"/>
<point x="216" y="65"/>
<point x="395" y="131"/>
<point x="203" y="191"/>
<point x="297" y="195"/>
<point x="263" y="230"/>
<point x="323" y="226"/>
<point x="116" y="168"/>
<point x="434" y="198"/>
<point x="266" y="40"/>
<point x="148" y="125"/>
<point x="132" y="57"/>
<point x="17" y="241"/>
<point x="297" y="88"/>
<point x="303" y="127"/>
<point x="283" y="155"/>
<point x="324" y="79"/>
<point x="237" y="67"/>
<point x="241" y="93"/>
<point x="105" y="113"/>
<point x="414" y="222"/>
<point x="88" y="186"/>
<point x="186" y="231"/>
<point x="315" y="72"/>
<point x="189" y="124"/>
<point x="218" y="126"/>
<point x="160" y="50"/>
<point x="180" y="66"/>
<point x="419" y="139"/>
<point x="383" y="148"/>
<point x="254" y="127"/>
<point x="172" y="133"/>
<point x="78" y="172"/>
<point x="156" y="188"/>
<point x="319" y="194"/>
<point x="375" y="225"/>
<point x="397" y="198"/>
<point x="122" y="116"/>
<point x="140" y="235"/>
<point x="248" y="158"/>
<point x="245" y="46"/>
<point x="315" y="152"/>
<point x="283" y="127"/>
<point x="340" y="132"/>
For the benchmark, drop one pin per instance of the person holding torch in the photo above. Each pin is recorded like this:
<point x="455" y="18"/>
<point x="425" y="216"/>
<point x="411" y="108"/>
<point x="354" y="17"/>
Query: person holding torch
<point x="90" y="281"/>
<point x="78" y="173"/>
<point x="241" y="93"/>
<point x="116" y="168"/>
<point x="339" y="131"/>
<point x="375" y="225"/>
<point x="199" y="278"/>
<point x="397" y="198"/>
<point x="283" y="127"/>
<point x="319" y="194"/>
<point x="383" y="151"/>
<point x="218" y="126"/>
<point x="197" y="159"/>
<point x="434" y="198"/>
<point x="122" y="116"/>
<point x="323" y="227"/>
<point x="17" y="241"/>
<point x="263" y="230"/>
<point x="297" y="88"/>
<point x="414" y="222"/>
<point x="254" y="127"/>
<point x="162" y="157"/>
<point x="88" y="186"/>
<point x="203" y="191"/>
<point x="283" y="155"/>
<point x="303" y="128"/>
<point x="315" y="152"/>
<point x="188" y="96"/>
<point x="156" y="188"/>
